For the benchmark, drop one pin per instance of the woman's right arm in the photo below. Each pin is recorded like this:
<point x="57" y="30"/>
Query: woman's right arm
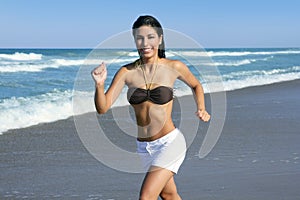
<point x="103" y="101"/>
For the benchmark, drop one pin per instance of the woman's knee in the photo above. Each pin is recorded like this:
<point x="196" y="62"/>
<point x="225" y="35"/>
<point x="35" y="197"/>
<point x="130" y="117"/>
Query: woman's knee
<point x="147" y="196"/>
<point x="169" y="195"/>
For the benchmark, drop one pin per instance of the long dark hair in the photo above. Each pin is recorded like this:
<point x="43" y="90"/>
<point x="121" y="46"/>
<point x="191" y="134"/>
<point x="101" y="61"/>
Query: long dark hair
<point x="151" y="21"/>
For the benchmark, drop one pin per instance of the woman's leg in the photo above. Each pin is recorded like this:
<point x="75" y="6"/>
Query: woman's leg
<point x="169" y="192"/>
<point x="158" y="181"/>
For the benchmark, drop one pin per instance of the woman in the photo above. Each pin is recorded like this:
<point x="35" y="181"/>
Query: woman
<point x="150" y="80"/>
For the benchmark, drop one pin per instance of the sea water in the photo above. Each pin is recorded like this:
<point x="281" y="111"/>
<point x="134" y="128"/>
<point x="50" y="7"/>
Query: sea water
<point x="37" y="85"/>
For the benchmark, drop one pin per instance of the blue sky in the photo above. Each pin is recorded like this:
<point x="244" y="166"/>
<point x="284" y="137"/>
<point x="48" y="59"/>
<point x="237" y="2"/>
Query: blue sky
<point x="212" y="23"/>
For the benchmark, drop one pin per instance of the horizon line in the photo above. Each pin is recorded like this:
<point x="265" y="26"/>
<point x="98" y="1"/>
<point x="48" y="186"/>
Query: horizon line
<point x="258" y="47"/>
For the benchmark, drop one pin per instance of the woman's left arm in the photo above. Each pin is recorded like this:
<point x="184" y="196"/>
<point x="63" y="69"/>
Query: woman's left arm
<point x="186" y="76"/>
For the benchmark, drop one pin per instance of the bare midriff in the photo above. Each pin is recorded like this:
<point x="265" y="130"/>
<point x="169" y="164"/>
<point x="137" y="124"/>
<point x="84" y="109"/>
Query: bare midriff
<point x="154" y="121"/>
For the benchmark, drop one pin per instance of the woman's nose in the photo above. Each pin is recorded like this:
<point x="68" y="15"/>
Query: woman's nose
<point x="145" y="42"/>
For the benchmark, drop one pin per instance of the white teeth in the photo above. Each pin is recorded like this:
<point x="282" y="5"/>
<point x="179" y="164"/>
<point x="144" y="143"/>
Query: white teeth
<point x="147" y="49"/>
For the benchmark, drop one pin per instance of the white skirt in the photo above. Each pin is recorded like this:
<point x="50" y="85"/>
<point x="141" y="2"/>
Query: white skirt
<point x="167" y="152"/>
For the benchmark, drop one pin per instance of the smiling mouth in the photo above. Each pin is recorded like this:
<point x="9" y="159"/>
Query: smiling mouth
<point x="146" y="50"/>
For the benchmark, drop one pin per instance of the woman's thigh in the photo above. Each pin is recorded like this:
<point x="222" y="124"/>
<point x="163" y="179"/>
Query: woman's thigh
<point x="155" y="181"/>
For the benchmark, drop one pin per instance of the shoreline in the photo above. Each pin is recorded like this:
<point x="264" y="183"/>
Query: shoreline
<point x="256" y="157"/>
<point x="184" y="96"/>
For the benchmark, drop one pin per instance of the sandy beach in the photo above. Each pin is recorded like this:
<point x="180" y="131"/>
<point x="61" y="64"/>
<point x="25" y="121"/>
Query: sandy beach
<point x="256" y="157"/>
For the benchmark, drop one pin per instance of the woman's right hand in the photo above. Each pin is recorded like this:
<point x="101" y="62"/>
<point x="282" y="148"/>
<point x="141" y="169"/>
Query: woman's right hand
<point x="99" y="74"/>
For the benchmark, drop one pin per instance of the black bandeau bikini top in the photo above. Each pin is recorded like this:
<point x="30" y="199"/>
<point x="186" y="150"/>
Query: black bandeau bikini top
<point x="159" y="95"/>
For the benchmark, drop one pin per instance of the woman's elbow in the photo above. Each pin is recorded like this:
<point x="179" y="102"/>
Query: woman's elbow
<point x="101" y="111"/>
<point x="197" y="87"/>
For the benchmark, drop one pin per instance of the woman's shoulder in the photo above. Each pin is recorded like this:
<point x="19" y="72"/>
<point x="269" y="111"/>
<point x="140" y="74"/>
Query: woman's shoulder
<point x="127" y="67"/>
<point x="175" y="64"/>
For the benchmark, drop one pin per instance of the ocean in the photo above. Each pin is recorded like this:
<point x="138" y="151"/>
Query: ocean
<point x="37" y="85"/>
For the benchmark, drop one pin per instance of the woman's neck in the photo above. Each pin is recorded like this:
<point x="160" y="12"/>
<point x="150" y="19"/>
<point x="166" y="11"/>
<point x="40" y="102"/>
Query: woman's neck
<point x="151" y="61"/>
<point x="149" y="64"/>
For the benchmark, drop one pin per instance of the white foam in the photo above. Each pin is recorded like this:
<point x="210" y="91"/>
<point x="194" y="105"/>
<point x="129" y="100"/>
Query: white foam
<point x="193" y="53"/>
<point x="133" y="54"/>
<point x="182" y="91"/>
<point x="246" y="53"/>
<point x="11" y="67"/>
<point x="64" y="62"/>
<point x="120" y="60"/>
<point x="239" y="74"/>
<point x="232" y="63"/>
<point x="36" y="66"/>
<point x="259" y="80"/>
<point x="201" y="52"/>
<point x="21" y="56"/>
<point x="23" y="112"/>
<point x="243" y="79"/>
<point x="25" y="67"/>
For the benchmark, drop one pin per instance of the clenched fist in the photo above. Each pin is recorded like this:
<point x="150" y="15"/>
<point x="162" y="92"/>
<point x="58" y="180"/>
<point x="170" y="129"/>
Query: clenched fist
<point x="99" y="74"/>
<point x="203" y="115"/>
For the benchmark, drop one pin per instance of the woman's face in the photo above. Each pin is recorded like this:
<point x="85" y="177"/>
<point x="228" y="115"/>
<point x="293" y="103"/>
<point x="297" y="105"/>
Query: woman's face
<point x="147" y="41"/>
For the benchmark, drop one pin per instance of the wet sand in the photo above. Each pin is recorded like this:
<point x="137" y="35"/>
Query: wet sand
<point x="256" y="157"/>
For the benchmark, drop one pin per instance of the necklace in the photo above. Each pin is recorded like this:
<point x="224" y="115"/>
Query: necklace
<point x="145" y="78"/>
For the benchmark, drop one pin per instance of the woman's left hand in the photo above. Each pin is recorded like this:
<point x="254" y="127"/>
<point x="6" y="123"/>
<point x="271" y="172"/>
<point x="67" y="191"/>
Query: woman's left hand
<point x="203" y="115"/>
